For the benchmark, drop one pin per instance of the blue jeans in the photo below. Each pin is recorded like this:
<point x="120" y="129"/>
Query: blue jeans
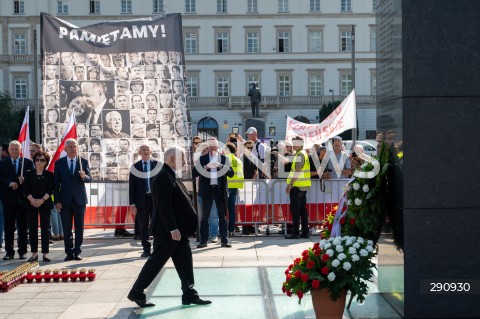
<point x="213" y="221"/>
<point x="56" y="221"/>
<point x="232" y="199"/>
<point x="1" y="223"/>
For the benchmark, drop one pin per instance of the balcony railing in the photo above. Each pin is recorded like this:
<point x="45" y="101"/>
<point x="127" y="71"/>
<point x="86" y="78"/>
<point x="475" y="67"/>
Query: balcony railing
<point x="244" y="101"/>
<point x="276" y="100"/>
<point x="22" y="103"/>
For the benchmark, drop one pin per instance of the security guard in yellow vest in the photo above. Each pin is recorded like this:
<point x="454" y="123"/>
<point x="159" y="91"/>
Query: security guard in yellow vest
<point x="234" y="183"/>
<point x="298" y="182"/>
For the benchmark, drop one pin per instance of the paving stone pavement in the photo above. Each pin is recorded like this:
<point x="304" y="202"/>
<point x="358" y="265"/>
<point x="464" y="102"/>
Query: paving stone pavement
<point x="243" y="282"/>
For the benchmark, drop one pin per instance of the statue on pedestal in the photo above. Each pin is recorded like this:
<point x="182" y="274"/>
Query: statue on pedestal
<point x="255" y="97"/>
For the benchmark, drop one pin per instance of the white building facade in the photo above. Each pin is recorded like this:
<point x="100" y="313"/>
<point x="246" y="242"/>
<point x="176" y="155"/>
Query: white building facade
<point x="298" y="51"/>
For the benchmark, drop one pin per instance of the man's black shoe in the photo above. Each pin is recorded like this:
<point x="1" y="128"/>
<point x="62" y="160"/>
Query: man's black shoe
<point x="141" y="302"/>
<point x="8" y="257"/>
<point x="126" y="234"/>
<point x="196" y="301"/>
<point x="68" y="258"/>
<point x="22" y="257"/>
<point x="145" y="254"/>
<point x="77" y="257"/>
<point x="201" y="245"/>
<point x="226" y="245"/>
<point x="292" y="237"/>
<point x="306" y="235"/>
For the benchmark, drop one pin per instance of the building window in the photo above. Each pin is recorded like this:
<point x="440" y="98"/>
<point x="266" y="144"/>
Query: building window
<point x="20" y="43"/>
<point x="207" y="127"/>
<point x="282" y="5"/>
<point x="315" y="41"/>
<point x="158" y="6"/>
<point x="62" y="7"/>
<point x="223" y="86"/>
<point x="253" y="78"/>
<point x="253" y="42"/>
<point x="221" y="6"/>
<point x="316" y="85"/>
<point x="20" y="88"/>
<point x="345" y="84"/>
<point x="373" y="39"/>
<point x="373" y="82"/>
<point x="190" y="6"/>
<point x="191" y="42"/>
<point x="314" y="5"/>
<point x="346" y="5"/>
<point x="126" y="6"/>
<point x="374" y="5"/>
<point x="94" y="7"/>
<point x="283" y="44"/>
<point x="252" y="6"/>
<point x="192" y="85"/>
<point x="222" y="41"/>
<point x="284" y="85"/>
<point x="345" y="41"/>
<point x="18" y="7"/>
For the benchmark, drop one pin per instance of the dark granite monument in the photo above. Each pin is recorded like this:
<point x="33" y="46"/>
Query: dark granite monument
<point x="428" y="76"/>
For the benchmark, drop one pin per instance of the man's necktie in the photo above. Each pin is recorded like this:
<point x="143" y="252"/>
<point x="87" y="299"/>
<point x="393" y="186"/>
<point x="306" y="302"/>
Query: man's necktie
<point x="16" y="168"/>
<point x="147" y="180"/>
<point x="71" y="167"/>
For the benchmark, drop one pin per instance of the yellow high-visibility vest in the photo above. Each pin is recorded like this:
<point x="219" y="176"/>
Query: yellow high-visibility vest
<point x="303" y="179"/>
<point x="237" y="167"/>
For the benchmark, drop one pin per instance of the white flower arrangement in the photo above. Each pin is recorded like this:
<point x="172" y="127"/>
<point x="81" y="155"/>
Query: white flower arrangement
<point x="345" y="269"/>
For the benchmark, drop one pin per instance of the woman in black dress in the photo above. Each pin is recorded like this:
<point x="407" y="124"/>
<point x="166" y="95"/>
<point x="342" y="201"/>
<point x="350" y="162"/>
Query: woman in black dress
<point x="38" y="188"/>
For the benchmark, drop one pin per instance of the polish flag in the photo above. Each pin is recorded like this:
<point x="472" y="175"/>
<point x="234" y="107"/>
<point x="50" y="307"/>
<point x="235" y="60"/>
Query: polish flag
<point x="24" y="136"/>
<point x="70" y="132"/>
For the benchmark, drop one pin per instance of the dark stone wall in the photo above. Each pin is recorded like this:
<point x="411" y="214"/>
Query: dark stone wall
<point x="428" y="76"/>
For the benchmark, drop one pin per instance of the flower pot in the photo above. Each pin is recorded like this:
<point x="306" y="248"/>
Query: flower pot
<point x="325" y="307"/>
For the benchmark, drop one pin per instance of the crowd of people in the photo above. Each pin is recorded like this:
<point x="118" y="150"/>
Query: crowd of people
<point x="29" y="192"/>
<point x="162" y="205"/>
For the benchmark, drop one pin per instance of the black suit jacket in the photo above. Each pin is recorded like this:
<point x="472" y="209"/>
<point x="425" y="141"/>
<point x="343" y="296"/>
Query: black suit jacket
<point x="8" y="175"/>
<point x="70" y="188"/>
<point x="136" y="185"/>
<point x="204" y="181"/>
<point x="38" y="187"/>
<point x="172" y="206"/>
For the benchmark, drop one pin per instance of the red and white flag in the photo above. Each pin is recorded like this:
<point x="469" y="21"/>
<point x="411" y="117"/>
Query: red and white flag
<point x="70" y="132"/>
<point x="24" y="136"/>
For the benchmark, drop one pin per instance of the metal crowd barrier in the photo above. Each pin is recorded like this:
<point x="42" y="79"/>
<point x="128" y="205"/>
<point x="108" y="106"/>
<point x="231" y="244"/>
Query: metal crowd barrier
<point x="259" y="202"/>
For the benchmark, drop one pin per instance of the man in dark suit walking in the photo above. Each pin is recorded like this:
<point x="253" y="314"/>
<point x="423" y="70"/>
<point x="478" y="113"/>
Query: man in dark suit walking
<point x="11" y="179"/>
<point x="71" y="196"/>
<point x="173" y="220"/>
<point x="139" y="190"/>
<point x="213" y="170"/>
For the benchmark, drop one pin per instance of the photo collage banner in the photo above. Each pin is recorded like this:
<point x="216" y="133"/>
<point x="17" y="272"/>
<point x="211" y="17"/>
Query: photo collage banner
<point x="125" y="81"/>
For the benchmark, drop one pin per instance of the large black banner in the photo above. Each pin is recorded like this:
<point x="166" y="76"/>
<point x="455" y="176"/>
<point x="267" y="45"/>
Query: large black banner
<point x="125" y="81"/>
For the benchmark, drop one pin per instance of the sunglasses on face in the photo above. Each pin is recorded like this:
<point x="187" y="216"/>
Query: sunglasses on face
<point x="196" y="143"/>
<point x="41" y="160"/>
<point x="250" y="148"/>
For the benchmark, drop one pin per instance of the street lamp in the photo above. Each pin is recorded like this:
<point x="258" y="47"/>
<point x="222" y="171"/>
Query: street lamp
<point x="333" y="95"/>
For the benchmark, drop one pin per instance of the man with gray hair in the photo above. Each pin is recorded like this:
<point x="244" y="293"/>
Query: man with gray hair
<point x="94" y="96"/>
<point x="173" y="220"/>
<point x="114" y="123"/>
<point x="70" y="196"/>
<point x="12" y="170"/>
